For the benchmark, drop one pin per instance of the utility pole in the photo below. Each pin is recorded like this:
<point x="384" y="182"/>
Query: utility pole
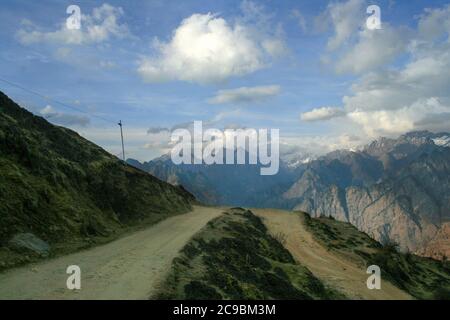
<point x="121" y="136"/>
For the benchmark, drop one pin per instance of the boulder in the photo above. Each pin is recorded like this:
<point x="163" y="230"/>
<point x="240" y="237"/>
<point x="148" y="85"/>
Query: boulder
<point x="29" y="241"/>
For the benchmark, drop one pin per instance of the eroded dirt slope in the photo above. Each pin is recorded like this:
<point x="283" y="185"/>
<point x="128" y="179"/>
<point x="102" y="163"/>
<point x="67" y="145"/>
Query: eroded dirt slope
<point x="334" y="270"/>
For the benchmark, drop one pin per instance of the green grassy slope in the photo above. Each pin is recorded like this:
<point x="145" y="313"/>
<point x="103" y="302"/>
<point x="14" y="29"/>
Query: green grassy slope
<point x="423" y="278"/>
<point x="234" y="257"/>
<point x="67" y="190"/>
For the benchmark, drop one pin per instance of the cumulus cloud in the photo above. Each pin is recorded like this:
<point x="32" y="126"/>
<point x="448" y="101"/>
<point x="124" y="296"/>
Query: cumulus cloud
<point x="434" y="23"/>
<point x="402" y="101"/>
<point x="101" y="25"/>
<point x="345" y="17"/>
<point x="353" y="48"/>
<point x="390" y="100"/>
<point x="396" y="101"/>
<point x="422" y="114"/>
<point x="64" y="118"/>
<point x="372" y="49"/>
<point x="323" y="113"/>
<point x="424" y="76"/>
<point x="205" y="48"/>
<point x="245" y="94"/>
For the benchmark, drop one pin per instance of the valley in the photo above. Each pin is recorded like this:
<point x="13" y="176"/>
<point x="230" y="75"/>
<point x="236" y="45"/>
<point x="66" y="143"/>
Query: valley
<point x="65" y="201"/>
<point x="251" y="152"/>
<point x="217" y="253"/>
<point x="395" y="190"/>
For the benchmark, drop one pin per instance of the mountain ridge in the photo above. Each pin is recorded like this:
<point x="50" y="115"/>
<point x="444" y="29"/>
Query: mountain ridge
<point x="406" y="201"/>
<point x="393" y="189"/>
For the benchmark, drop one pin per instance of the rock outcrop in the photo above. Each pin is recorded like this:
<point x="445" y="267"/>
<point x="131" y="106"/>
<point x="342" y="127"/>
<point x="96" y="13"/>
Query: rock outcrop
<point x="396" y="190"/>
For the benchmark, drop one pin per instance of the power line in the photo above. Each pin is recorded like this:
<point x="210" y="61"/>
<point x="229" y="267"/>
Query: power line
<point x="67" y="106"/>
<point x="53" y="100"/>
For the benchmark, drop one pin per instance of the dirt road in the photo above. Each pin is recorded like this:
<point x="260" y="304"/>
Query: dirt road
<point x="128" y="268"/>
<point x="331" y="268"/>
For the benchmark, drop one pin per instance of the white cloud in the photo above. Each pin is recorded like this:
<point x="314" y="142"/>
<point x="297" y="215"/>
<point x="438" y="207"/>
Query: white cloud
<point x="205" y="48"/>
<point x="320" y="145"/>
<point x="346" y="18"/>
<point x="353" y="48"/>
<point x="158" y="140"/>
<point x="435" y="22"/>
<point x="245" y="94"/>
<point x="422" y="114"/>
<point x="323" y="113"/>
<point x="275" y="47"/>
<point x="65" y="119"/>
<point x="392" y="100"/>
<point x="425" y="76"/>
<point x="396" y="101"/>
<point x="101" y="25"/>
<point x="372" y="49"/>
<point x="237" y="113"/>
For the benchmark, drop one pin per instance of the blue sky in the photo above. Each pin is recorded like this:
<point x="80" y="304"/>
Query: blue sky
<point x="310" y="68"/>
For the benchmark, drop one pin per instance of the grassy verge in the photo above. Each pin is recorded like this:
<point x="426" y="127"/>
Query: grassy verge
<point x="13" y="258"/>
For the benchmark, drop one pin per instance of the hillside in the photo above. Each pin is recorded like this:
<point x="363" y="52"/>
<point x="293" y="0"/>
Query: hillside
<point x="422" y="278"/>
<point x="235" y="257"/>
<point x="275" y="254"/>
<point x="60" y="192"/>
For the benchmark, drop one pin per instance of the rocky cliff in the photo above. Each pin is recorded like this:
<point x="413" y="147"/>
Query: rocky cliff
<point x="394" y="189"/>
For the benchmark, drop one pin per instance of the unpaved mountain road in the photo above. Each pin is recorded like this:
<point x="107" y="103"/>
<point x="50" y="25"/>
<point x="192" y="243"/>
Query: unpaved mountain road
<point x="128" y="268"/>
<point x="331" y="268"/>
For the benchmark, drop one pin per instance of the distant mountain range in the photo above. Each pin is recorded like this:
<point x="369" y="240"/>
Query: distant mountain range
<point x="396" y="190"/>
<point x="228" y="184"/>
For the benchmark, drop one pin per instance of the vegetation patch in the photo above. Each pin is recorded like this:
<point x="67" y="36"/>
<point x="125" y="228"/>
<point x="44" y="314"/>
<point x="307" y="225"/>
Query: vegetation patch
<point x="234" y="257"/>
<point x="423" y="278"/>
